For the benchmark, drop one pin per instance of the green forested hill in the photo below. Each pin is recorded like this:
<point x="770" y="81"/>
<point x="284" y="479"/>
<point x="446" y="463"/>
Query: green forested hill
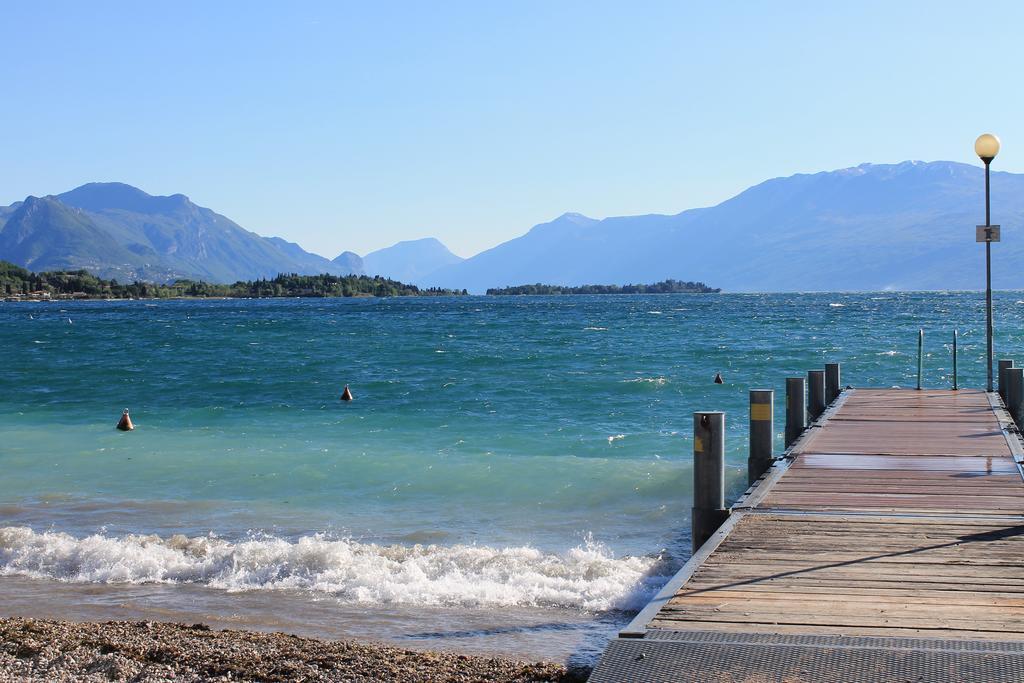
<point x="17" y="281"/>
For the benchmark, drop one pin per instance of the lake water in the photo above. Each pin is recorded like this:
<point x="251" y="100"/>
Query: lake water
<point x="514" y="475"/>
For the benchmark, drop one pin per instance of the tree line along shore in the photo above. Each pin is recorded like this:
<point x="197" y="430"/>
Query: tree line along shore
<point x="663" y="287"/>
<point x="20" y="284"/>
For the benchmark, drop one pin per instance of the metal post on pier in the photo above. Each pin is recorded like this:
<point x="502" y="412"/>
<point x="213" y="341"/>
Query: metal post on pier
<point x="709" y="511"/>
<point x="955" y="385"/>
<point x="1014" y="386"/>
<point x="796" y="409"/>
<point x="815" y="394"/>
<point x="987" y="147"/>
<point x="1004" y="365"/>
<point x="762" y="433"/>
<point x="920" y="357"/>
<point x="832" y="386"/>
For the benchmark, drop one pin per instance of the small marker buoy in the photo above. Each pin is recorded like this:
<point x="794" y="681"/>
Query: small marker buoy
<point x="125" y="423"/>
<point x="346" y="395"/>
<point x="718" y="378"/>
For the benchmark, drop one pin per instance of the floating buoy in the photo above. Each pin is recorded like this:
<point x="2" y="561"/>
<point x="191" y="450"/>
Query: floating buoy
<point x="718" y="378"/>
<point x="125" y="423"/>
<point x="346" y="395"/>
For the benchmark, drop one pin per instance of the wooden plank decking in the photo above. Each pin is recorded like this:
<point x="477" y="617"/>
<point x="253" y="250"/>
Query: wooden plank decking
<point x="888" y="543"/>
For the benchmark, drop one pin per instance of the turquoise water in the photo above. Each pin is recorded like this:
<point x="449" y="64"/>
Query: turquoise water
<point x="526" y="455"/>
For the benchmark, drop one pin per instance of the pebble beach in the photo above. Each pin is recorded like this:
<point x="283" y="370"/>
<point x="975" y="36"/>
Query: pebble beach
<point x="147" y="651"/>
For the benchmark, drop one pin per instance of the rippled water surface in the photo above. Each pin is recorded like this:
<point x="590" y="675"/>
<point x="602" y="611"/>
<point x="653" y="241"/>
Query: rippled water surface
<point x="513" y="476"/>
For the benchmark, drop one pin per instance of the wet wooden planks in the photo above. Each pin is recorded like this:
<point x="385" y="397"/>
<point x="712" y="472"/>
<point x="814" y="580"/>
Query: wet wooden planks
<point x="909" y="422"/>
<point x="903" y="514"/>
<point x="929" y="451"/>
<point x="888" y="545"/>
<point x="784" y="573"/>
<point x="983" y="486"/>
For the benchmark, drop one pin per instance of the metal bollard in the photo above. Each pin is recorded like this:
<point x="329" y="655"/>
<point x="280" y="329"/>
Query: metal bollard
<point x="709" y="511"/>
<point x="920" y="357"/>
<point x="1004" y="364"/>
<point x="832" y="385"/>
<point x="1014" y="385"/>
<point x="815" y="394"/>
<point x="762" y="432"/>
<point x="956" y="386"/>
<point x="796" y="409"/>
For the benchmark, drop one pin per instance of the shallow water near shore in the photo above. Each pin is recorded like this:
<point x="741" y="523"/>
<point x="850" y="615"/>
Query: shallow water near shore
<point x="513" y="476"/>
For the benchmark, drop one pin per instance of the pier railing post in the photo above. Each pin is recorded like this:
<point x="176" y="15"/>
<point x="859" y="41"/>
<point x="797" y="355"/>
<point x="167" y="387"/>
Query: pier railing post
<point x="831" y="382"/>
<point x="1013" y="383"/>
<point x="815" y="394"/>
<point x="762" y="432"/>
<point x="796" y="409"/>
<point x="920" y="357"/>
<point x="1004" y="365"/>
<point x="709" y="511"/>
<point x="956" y="386"/>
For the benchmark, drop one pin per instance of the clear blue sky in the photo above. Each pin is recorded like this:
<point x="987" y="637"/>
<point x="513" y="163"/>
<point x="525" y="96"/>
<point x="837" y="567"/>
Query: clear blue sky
<point x="355" y="125"/>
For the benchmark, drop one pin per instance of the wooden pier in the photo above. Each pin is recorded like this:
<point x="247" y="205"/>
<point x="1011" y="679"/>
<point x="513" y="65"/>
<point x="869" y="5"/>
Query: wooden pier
<point x="887" y="545"/>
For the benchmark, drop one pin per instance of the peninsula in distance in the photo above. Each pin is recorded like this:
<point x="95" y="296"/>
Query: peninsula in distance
<point x="901" y="223"/>
<point x="17" y="283"/>
<point x="665" y="287"/>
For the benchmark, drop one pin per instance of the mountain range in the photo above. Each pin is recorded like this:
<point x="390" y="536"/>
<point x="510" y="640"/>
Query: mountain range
<point x="871" y="227"/>
<point x="118" y="231"/>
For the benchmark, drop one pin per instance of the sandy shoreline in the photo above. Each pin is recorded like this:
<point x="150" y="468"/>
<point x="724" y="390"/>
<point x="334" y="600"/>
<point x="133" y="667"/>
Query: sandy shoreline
<point x="46" y="650"/>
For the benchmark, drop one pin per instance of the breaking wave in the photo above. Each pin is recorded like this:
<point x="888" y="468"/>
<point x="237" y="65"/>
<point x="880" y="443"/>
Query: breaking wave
<point x="587" y="577"/>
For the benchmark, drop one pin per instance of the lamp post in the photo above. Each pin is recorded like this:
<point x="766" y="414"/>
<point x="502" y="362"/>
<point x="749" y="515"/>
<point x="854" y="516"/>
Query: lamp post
<point x="987" y="147"/>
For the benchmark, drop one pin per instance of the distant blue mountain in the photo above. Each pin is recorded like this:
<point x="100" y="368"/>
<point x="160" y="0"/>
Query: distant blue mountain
<point x="350" y="263"/>
<point x="410" y="261"/>
<point x="872" y="227"/>
<point x="119" y="231"/>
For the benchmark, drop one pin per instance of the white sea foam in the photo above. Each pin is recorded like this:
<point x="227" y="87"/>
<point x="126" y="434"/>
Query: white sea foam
<point x="595" y="329"/>
<point x="586" y="577"/>
<point x="615" y="437"/>
<point x="837" y="305"/>
<point x="647" y="380"/>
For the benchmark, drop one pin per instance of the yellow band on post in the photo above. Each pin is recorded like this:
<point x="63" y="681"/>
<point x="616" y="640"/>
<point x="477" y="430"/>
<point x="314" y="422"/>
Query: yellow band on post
<point x="698" y="444"/>
<point x="760" y="411"/>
